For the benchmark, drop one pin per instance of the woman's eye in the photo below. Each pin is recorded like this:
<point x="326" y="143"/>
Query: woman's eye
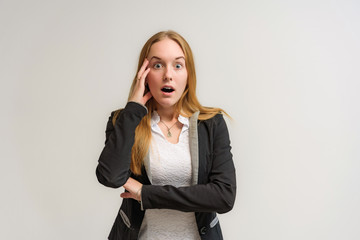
<point x="157" y="65"/>
<point x="178" y="66"/>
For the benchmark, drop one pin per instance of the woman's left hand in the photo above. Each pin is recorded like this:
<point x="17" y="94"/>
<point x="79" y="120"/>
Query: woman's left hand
<point x="134" y="189"/>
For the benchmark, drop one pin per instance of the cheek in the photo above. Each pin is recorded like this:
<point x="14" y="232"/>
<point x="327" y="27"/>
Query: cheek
<point x="152" y="77"/>
<point x="152" y="80"/>
<point x="184" y="80"/>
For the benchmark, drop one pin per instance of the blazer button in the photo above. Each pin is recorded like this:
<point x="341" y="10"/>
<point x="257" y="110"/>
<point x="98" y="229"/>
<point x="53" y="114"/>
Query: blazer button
<point x="203" y="230"/>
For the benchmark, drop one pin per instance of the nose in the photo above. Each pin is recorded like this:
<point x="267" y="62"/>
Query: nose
<point x="168" y="74"/>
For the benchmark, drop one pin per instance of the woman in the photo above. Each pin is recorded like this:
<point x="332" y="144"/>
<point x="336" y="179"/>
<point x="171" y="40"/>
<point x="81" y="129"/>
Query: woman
<point x="171" y="154"/>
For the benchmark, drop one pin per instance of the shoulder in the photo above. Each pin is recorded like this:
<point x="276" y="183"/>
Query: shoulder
<point x="131" y="107"/>
<point x="216" y="119"/>
<point x="213" y="125"/>
<point x="214" y="130"/>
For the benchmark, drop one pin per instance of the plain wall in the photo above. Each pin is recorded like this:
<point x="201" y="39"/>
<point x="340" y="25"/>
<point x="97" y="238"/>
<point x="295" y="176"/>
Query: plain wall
<point x="286" y="71"/>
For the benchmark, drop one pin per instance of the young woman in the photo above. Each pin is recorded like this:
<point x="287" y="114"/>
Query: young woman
<point x="171" y="154"/>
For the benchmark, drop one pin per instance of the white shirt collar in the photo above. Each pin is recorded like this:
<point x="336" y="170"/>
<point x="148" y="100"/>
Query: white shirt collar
<point x="155" y="119"/>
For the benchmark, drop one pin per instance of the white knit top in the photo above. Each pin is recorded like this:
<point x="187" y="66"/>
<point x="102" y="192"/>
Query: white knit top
<point x="169" y="164"/>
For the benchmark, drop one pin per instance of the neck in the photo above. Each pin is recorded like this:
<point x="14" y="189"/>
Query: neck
<point x="167" y="114"/>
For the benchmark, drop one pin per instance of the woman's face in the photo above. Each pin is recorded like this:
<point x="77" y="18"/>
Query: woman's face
<point x="167" y="78"/>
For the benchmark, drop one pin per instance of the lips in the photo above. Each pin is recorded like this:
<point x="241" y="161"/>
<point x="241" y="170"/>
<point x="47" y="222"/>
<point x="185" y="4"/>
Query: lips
<point x="167" y="89"/>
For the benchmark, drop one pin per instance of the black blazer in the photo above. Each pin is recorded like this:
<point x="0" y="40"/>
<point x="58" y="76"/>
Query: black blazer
<point x="214" y="184"/>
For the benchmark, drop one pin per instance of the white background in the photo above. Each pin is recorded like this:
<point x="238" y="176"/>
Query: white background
<point x="286" y="71"/>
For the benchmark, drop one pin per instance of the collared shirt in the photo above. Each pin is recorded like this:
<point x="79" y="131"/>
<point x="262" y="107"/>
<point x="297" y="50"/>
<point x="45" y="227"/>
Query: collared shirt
<point x="165" y="155"/>
<point x="169" y="164"/>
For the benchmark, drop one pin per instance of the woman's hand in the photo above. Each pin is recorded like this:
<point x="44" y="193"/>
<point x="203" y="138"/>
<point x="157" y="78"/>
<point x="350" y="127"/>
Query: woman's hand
<point x="139" y="89"/>
<point x="134" y="188"/>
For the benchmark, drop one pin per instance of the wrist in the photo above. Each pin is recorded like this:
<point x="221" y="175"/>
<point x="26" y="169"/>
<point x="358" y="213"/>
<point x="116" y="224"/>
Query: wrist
<point x="138" y="194"/>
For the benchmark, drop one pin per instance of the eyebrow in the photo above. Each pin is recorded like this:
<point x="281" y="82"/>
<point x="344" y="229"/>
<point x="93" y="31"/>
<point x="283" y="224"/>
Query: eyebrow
<point x="160" y="58"/>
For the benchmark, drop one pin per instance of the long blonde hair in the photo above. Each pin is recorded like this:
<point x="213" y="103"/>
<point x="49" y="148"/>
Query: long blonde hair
<point x="187" y="105"/>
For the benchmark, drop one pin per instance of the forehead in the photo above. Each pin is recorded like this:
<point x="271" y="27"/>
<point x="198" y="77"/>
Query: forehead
<point x="166" y="49"/>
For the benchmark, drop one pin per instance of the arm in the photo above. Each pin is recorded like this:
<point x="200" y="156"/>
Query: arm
<point x="217" y="195"/>
<point x="113" y="168"/>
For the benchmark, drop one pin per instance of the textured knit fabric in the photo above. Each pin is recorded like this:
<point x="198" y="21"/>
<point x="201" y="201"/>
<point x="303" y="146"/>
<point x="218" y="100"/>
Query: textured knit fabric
<point x="169" y="164"/>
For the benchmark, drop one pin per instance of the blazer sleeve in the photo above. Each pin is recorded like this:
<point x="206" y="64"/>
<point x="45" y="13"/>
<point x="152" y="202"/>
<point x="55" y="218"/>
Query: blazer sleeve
<point x="217" y="195"/>
<point x="113" y="167"/>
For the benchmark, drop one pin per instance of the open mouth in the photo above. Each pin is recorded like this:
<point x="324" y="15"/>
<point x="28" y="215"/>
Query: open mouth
<point x="167" y="89"/>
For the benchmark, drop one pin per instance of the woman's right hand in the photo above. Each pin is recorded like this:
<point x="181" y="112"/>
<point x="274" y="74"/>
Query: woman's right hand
<point x="139" y="89"/>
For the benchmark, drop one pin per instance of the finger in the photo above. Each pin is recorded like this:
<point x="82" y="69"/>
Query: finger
<point x="143" y="77"/>
<point x="142" y="69"/>
<point x="126" y="195"/>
